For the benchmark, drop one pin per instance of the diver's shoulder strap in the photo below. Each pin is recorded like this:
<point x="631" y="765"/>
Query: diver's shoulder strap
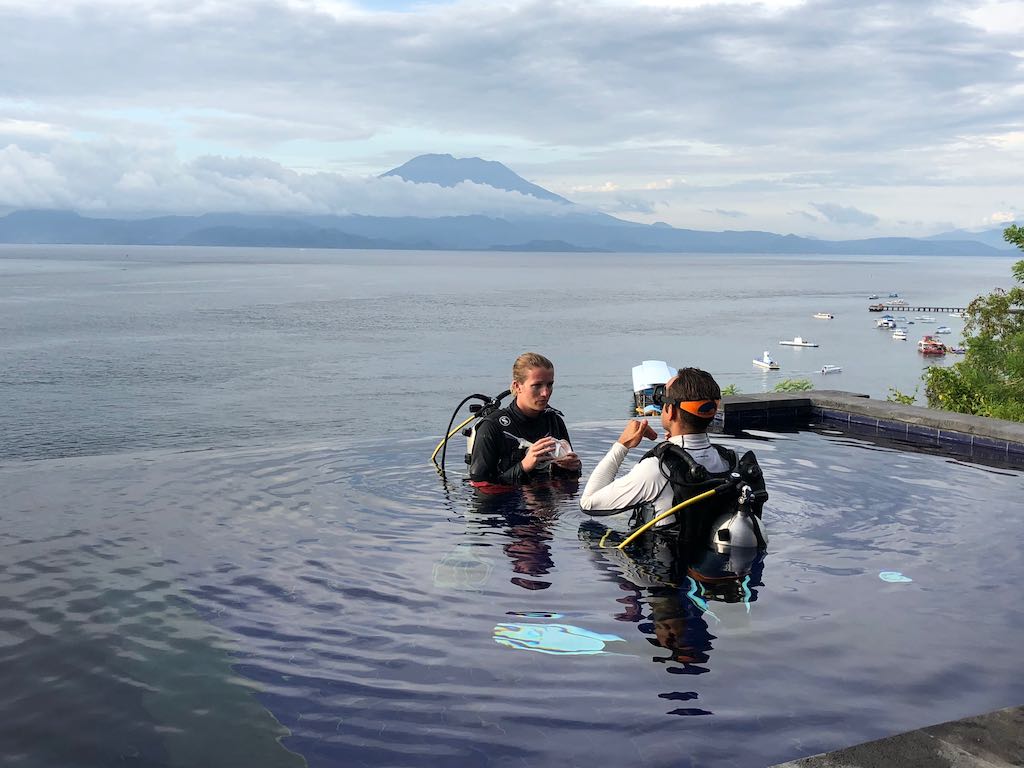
<point x="693" y="472"/>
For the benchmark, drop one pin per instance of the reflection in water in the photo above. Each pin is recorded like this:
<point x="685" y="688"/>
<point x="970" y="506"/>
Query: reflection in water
<point x="679" y="586"/>
<point x="526" y="517"/>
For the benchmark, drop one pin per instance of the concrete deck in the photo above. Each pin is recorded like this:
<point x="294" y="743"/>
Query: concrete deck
<point x="993" y="740"/>
<point x="972" y="436"/>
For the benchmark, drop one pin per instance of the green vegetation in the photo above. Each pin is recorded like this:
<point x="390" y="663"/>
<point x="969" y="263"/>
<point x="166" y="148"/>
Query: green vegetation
<point x="731" y="389"/>
<point x="794" y="385"/>
<point x="989" y="381"/>
<point x="895" y="396"/>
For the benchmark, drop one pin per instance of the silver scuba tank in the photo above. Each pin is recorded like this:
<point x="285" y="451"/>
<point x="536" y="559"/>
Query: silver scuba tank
<point x="740" y="529"/>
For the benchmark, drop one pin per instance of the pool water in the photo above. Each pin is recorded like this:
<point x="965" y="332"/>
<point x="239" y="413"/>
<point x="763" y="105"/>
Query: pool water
<point x="337" y="603"/>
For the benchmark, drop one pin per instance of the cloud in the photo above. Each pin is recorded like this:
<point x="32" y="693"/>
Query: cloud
<point x="727" y="214"/>
<point x="821" y="99"/>
<point x="119" y="178"/>
<point x="841" y="214"/>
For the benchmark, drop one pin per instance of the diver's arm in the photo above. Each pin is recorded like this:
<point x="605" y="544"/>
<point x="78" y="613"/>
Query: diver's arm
<point x="604" y="495"/>
<point x="490" y="446"/>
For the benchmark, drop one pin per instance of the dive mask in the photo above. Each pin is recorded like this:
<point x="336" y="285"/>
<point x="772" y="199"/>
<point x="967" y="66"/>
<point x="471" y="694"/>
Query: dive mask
<point x="705" y="409"/>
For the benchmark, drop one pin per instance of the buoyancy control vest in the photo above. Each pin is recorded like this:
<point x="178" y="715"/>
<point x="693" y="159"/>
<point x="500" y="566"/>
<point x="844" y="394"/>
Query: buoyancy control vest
<point x="741" y="494"/>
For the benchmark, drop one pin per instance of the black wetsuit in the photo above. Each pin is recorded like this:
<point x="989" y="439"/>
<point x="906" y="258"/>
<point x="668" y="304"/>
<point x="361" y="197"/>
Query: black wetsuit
<point x="497" y="457"/>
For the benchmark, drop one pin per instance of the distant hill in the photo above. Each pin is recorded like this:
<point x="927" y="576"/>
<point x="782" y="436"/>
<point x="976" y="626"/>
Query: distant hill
<point x="569" y="232"/>
<point x="992" y="237"/>
<point x="447" y="171"/>
<point x="569" y="229"/>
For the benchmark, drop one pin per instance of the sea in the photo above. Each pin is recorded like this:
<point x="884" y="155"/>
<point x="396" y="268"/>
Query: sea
<point x="223" y="541"/>
<point x="132" y="348"/>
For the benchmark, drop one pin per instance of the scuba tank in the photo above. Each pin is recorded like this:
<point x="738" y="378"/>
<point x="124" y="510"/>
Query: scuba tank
<point x="741" y="528"/>
<point x="477" y="411"/>
<point x="480" y="410"/>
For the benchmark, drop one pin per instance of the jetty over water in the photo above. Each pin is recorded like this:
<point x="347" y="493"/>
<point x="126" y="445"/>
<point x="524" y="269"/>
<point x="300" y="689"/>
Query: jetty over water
<point x="887" y="307"/>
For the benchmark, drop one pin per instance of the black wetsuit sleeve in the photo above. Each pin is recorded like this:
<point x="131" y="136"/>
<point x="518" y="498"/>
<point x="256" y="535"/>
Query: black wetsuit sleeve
<point x="489" y="446"/>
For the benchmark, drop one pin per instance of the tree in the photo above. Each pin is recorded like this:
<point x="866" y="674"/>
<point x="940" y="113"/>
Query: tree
<point x="794" y="385"/>
<point x="989" y="381"/>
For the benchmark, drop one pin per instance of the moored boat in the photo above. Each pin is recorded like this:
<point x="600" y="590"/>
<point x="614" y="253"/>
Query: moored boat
<point x="824" y="316"/>
<point x="900" y="334"/>
<point x="943" y="329"/>
<point x="798" y="341"/>
<point x="831" y="369"/>
<point x="929" y="345"/>
<point x="766" y="362"/>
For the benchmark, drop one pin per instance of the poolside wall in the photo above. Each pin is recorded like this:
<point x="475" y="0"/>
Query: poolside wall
<point x="974" y="436"/>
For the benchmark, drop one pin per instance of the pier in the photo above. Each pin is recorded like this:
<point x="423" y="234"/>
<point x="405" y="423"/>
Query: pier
<point x="887" y="307"/>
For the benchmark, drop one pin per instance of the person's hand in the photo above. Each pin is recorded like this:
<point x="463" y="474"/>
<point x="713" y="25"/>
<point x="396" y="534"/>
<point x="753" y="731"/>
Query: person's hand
<point x="570" y="462"/>
<point x="636" y="431"/>
<point x="538" y="452"/>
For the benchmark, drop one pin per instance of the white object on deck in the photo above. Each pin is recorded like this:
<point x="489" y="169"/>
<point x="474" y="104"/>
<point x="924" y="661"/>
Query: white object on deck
<point x="651" y="372"/>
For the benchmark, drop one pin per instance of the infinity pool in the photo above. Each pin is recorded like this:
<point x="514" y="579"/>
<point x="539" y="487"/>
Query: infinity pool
<point x="339" y="604"/>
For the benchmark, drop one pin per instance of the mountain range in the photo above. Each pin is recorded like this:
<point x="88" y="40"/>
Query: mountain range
<point x="566" y="228"/>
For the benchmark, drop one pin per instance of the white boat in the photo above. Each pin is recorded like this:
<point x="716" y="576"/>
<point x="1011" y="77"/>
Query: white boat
<point x="943" y="329"/>
<point x="900" y="334"/>
<point x="925" y="318"/>
<point x="645" y="376"/>
<point x="885" y="322"/>
<point x="766" y="362"/>
<point x="798" y="341"/>
<point x="831" y="369"/>
<point x="824" y="316"/>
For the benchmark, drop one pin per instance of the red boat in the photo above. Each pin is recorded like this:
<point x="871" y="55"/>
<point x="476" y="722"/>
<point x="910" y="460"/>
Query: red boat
<point x="929" y="345"/>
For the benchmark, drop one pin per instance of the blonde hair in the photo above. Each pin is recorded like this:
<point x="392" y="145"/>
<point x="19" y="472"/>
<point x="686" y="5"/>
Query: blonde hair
<point x="526" y="362"/>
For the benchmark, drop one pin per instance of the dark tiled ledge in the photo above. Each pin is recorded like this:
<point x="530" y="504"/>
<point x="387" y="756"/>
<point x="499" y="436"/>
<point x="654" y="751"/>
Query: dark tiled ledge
<point x="975" y="435"/>
<point x="993" y="740"/>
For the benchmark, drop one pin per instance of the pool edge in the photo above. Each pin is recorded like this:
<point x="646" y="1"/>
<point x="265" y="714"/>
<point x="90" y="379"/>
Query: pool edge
<point x="975" y="435"/>
<point x="992" y="739"/>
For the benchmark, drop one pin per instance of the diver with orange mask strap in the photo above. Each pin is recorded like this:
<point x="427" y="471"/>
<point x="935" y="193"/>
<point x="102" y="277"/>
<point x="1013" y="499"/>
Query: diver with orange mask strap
<point x="684" y="465"/>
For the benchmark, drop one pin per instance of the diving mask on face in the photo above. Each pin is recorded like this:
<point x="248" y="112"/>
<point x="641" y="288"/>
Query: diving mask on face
<point x="706" y="409"/>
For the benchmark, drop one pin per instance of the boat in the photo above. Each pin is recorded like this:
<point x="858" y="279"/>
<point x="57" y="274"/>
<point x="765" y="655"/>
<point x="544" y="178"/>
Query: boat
<point x="885" y="322"/>
<point x="798" y="341"/>
<point x="957" y="350"/>
<point x="872" y="296"/>
<point x="645" y="376"/>
<point x="894" y="295"/>
<point x="824" y="316"/>
<point x="831" y="369"/>
<point x="925" y="318"/>
<point x="929" y="345"/>
<point x="900" y="334"/>
<point x="943" y="329"/>
<point x="766" y="362"/>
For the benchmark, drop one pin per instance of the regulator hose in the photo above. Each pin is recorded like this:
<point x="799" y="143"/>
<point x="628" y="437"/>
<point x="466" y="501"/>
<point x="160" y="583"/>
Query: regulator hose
<point x="489" y="405"/>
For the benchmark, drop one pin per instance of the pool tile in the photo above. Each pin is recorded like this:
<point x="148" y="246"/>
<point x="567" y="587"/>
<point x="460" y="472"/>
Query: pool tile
<point x="980" y="441"/>
<point x="867" y="421"/>
<point x="949" y="436"/>
<point x="891" y="428"/>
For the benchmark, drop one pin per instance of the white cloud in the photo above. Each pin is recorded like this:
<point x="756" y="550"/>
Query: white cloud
<point x="676" y="107"/>
<point x="117" y="177"/>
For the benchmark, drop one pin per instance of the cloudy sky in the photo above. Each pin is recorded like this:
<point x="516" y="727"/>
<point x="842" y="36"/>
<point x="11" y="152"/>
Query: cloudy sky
<point x="835" y="118"/>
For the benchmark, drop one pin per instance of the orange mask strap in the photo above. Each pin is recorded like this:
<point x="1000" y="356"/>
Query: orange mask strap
<point x="706" y="409"/>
